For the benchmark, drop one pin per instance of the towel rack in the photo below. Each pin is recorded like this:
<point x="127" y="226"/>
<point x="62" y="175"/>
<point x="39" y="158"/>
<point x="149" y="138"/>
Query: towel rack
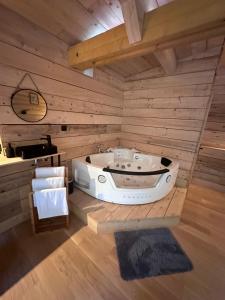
<point x="48" y="224"/>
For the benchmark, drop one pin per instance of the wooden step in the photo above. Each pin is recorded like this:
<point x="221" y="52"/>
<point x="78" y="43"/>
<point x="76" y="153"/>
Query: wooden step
<point x="104" y="217"/>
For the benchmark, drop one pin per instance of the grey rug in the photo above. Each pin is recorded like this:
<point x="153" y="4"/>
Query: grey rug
<point x="151" y="252"/>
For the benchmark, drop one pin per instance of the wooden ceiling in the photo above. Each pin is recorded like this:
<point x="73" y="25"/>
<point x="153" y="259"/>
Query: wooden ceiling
<point x="128" y="67"/>
<point x="75" y="20"/>
<point x="133" y="68"/>
<point x="159" y="31"/>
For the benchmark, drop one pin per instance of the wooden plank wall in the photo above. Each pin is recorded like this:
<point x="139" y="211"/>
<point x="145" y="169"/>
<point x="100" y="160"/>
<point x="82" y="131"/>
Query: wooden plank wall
<point x="162" y="115"/>
<point x="108" y="76"/>
<point x="165" y="115"/>
<point x="210" y="166"/>
<point x="90" y="109"/>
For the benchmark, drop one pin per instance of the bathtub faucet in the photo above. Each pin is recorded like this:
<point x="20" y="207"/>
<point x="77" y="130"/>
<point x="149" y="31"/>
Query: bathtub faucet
<point x="99" y="149"/>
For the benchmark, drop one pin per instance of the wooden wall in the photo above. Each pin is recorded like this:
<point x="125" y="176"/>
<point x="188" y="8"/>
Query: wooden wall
<point x="210" y="166"/>
<point x="108" y="76"/>
<point x="165" y="115"/>
<point x="90" y="109"/>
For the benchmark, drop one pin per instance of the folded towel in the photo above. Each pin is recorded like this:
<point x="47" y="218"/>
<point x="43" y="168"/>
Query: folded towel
<point x="51" y="202"/>
<point x="50" y="172"/>
<point x="47" y="183"/>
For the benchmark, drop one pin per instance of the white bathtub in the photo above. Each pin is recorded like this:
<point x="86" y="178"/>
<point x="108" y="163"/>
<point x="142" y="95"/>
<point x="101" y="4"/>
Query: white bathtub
<point x="125" y="176"/>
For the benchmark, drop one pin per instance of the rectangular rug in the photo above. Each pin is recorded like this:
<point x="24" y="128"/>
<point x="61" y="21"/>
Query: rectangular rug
<point x="151" y="252"/>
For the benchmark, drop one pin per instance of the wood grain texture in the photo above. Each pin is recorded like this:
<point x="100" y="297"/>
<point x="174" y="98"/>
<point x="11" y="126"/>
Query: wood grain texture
<point x="105" y="217"/>
<point x="113" y="45"/>
<point x="161" y="115"/>
<point x="15" y="179"/>
<point x="11" y="32"/>
<point x="67" y="26"/>
<point x="109" y="76"/>
<point x="91" y="109"/>
<point x="166" y="114"/>
<point x="188" y="61"/>
<point x="167" y="59"/>
<point x="210" y="165"/>
<point x="72" y="21"/>
<point x="77" y="263"/>
<point x="133" y="14"/>
<point x="23" y="60"/>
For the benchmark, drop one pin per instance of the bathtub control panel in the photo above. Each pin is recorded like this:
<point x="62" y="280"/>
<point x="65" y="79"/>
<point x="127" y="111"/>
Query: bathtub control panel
<point x="137" y="196"/>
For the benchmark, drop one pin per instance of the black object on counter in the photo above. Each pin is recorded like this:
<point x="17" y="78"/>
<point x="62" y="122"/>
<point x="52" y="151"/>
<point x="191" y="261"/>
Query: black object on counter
<point x="10" y="151"/>
<point x="37" y="150"/>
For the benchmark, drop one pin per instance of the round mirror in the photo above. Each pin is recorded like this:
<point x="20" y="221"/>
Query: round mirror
<point x="29" y="105"/>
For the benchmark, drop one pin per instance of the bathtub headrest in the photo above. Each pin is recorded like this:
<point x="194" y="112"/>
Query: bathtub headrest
<point x="88" y="159"/>
<point x="165" y="161"/>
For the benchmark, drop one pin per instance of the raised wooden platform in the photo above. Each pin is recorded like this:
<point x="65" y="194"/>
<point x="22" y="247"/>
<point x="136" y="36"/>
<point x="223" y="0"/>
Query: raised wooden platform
<point x="107" y="217"/>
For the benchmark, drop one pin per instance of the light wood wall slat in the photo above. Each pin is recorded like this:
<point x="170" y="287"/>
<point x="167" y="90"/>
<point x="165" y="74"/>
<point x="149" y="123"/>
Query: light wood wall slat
<point x="12" y="77"/>
<point x="60" y="117"/>
<point x="165" y="122"/>
<point x="177" y="102"/>
<point x="161" y="141"/>
<point x="14" y="27"/>
<point x="25" y="133"/>
<point x="65" y="104"/>
<point x="172" y="81"/>
<point x="91" y="110"/>
<point x="110" y="77"/>
<point x="210" y="166"/>
<point x="173" y="113"/>
<point x="165" y="92"/>
<point x="165" y="115"/>
<point x="182" y="135"/>
<point x="20" y="59"/>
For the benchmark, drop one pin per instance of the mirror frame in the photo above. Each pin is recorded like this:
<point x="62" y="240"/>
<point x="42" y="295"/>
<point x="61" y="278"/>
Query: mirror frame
<point x="34" y="91"/>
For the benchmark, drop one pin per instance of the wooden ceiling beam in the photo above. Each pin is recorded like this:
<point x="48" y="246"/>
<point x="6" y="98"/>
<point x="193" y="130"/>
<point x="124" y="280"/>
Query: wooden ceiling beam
<point x="167" y="59"/>
<point x="133" y="14"/>
<point x="165" y="27"/>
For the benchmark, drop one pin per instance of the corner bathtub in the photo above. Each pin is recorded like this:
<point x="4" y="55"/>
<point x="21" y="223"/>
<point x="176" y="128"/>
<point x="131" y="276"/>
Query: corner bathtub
<point x="125" y="176"/>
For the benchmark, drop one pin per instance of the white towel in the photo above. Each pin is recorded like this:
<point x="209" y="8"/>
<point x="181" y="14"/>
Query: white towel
<point x="51" y="203"/>
<point x="50" y="172"/>
<point x="47" y="183"/>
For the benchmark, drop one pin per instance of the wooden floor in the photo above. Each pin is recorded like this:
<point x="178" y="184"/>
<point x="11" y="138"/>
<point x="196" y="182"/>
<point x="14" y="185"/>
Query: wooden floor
<point x="79" y="264"/>
<point x="104" y="217"/>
